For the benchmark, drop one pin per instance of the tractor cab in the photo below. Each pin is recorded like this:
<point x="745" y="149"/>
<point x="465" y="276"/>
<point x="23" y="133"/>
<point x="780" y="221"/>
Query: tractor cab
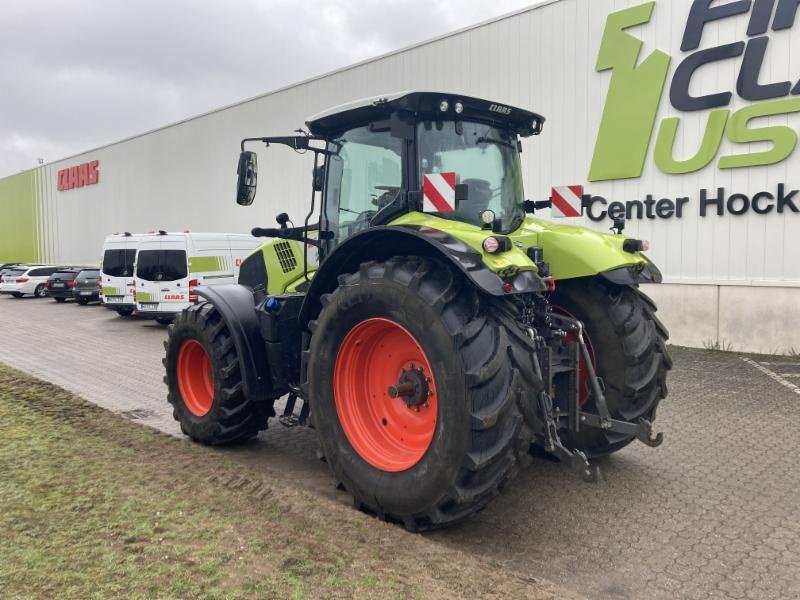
<point x="447" y="155"/>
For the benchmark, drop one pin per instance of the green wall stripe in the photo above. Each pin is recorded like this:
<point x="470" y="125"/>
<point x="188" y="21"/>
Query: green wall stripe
<point x="19" y="224"/>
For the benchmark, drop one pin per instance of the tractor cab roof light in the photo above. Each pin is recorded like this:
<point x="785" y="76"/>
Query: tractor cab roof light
<point x="458" y="107"/>
<point x="444" y="106"/>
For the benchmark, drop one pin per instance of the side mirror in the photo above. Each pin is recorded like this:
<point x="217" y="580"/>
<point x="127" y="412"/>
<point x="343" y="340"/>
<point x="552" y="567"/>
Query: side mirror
<point x="319" y="178"/>
<point x="248" y="176"/>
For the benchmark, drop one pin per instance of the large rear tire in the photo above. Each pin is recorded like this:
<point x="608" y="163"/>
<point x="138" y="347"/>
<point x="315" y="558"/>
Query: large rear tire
<point x="415" y="321"/>
<point x="205" y="383"/>
<point x="628" y="343"/>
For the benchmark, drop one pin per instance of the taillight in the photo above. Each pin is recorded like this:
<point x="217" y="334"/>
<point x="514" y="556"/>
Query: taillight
<point x="71" y="283"/>
<point x="47" y="284"/>
<point x="22" y="280"/>
<point x="193" y="298"/>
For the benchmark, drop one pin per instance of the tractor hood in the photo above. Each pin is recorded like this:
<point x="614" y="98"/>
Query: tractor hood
<point x="431" y="105"/>
<point x="574" y="251"/>
<point x="571" y="251"/>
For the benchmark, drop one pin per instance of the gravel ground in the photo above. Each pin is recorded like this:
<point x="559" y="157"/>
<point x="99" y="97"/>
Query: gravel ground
<point x="712" y="513"/>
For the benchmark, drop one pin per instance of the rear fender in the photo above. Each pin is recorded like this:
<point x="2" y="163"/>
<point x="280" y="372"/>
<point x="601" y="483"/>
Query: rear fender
<point x="382" y="243"/>
<point x="235" y="304"/>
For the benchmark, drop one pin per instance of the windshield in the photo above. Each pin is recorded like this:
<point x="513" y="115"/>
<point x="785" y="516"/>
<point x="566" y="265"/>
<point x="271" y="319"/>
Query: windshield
<point x="161" y="265"/>
<point x="119" y="263"/>
<point x="88" y="274"/>
<point x="483" y="157"/>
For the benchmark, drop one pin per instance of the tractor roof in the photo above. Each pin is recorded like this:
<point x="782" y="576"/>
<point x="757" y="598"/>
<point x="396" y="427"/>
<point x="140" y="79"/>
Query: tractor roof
<point x="422" y="106"/>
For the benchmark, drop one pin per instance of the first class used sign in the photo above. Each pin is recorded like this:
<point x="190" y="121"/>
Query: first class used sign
<point x="79" y="176"/>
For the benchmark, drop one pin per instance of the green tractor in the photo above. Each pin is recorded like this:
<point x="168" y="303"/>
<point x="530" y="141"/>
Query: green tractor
<point x="434" y="333"/>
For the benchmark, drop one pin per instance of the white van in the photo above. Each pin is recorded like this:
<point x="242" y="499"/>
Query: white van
<point x="116" y="272"/>
<point x="170" y="265"/>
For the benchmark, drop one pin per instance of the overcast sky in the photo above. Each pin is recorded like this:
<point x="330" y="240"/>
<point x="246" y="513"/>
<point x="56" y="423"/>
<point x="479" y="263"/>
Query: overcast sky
<point x="79" y="74"/>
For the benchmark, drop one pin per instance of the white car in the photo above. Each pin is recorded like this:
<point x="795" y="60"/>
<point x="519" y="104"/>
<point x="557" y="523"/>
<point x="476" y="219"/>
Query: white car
<point x="26" y="279"/>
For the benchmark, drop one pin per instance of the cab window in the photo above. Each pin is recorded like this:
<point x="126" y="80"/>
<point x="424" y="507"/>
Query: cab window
<point x="364" y="175"/>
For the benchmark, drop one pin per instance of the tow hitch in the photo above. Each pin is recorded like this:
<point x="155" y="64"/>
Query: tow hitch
<point x="577" y="418"/>
<point x="643" y="430"/>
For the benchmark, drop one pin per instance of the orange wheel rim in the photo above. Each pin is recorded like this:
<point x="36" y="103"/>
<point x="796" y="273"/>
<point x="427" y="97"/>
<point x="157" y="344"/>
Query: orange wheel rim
<point x="584" y="385"/>
<point x="385" y="395"/>
<point x="195" y="378"/>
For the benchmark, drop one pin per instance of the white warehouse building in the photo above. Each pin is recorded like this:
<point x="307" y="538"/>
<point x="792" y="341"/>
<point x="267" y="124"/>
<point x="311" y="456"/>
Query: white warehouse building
<point x="680" y="115"/>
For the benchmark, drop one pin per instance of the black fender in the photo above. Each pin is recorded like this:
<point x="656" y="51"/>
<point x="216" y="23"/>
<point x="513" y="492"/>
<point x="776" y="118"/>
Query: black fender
<point x="634" y="274"/>
<point x="384" y="242"/>
<point x="235" y="304"/>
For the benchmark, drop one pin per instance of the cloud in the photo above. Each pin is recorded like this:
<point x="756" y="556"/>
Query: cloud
<point x="80" y="74"/>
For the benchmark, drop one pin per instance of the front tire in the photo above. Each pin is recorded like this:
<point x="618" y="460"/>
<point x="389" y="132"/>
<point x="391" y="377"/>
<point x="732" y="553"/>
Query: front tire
<point x="408" y="320"/>
<point x="40" y="291"/>
<point x="124" y="312"/>
<point x="204" y="381"/>
<point x="628" y="343"/>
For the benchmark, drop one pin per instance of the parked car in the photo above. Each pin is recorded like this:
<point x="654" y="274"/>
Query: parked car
<point x="27" y="279"/>
<point x="61" y="284"/>
<point x="7" y="267"/>
<point x="87" y="286"/>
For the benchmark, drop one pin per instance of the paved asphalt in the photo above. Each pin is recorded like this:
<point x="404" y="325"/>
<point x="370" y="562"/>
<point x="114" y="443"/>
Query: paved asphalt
<point x="713" y="513"/>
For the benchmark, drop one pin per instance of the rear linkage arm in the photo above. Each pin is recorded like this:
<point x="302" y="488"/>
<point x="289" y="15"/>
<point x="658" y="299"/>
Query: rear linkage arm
<point x="576" y="459"/>
<point x="643" y="430"/>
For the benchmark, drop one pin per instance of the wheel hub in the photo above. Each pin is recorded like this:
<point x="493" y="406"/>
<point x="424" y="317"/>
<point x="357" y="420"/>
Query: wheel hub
<point x="385" y="394"/>
<point x="412" y="387"/>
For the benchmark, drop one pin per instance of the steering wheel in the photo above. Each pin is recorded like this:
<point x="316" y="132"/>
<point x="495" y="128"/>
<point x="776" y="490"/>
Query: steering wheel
<point x="361" y="222"/>
<point x="388" y="195"/>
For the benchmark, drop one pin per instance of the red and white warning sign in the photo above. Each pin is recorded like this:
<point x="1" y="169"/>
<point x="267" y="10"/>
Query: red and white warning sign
<point x="566" y="201"/>
<point x="439" y="192"/>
